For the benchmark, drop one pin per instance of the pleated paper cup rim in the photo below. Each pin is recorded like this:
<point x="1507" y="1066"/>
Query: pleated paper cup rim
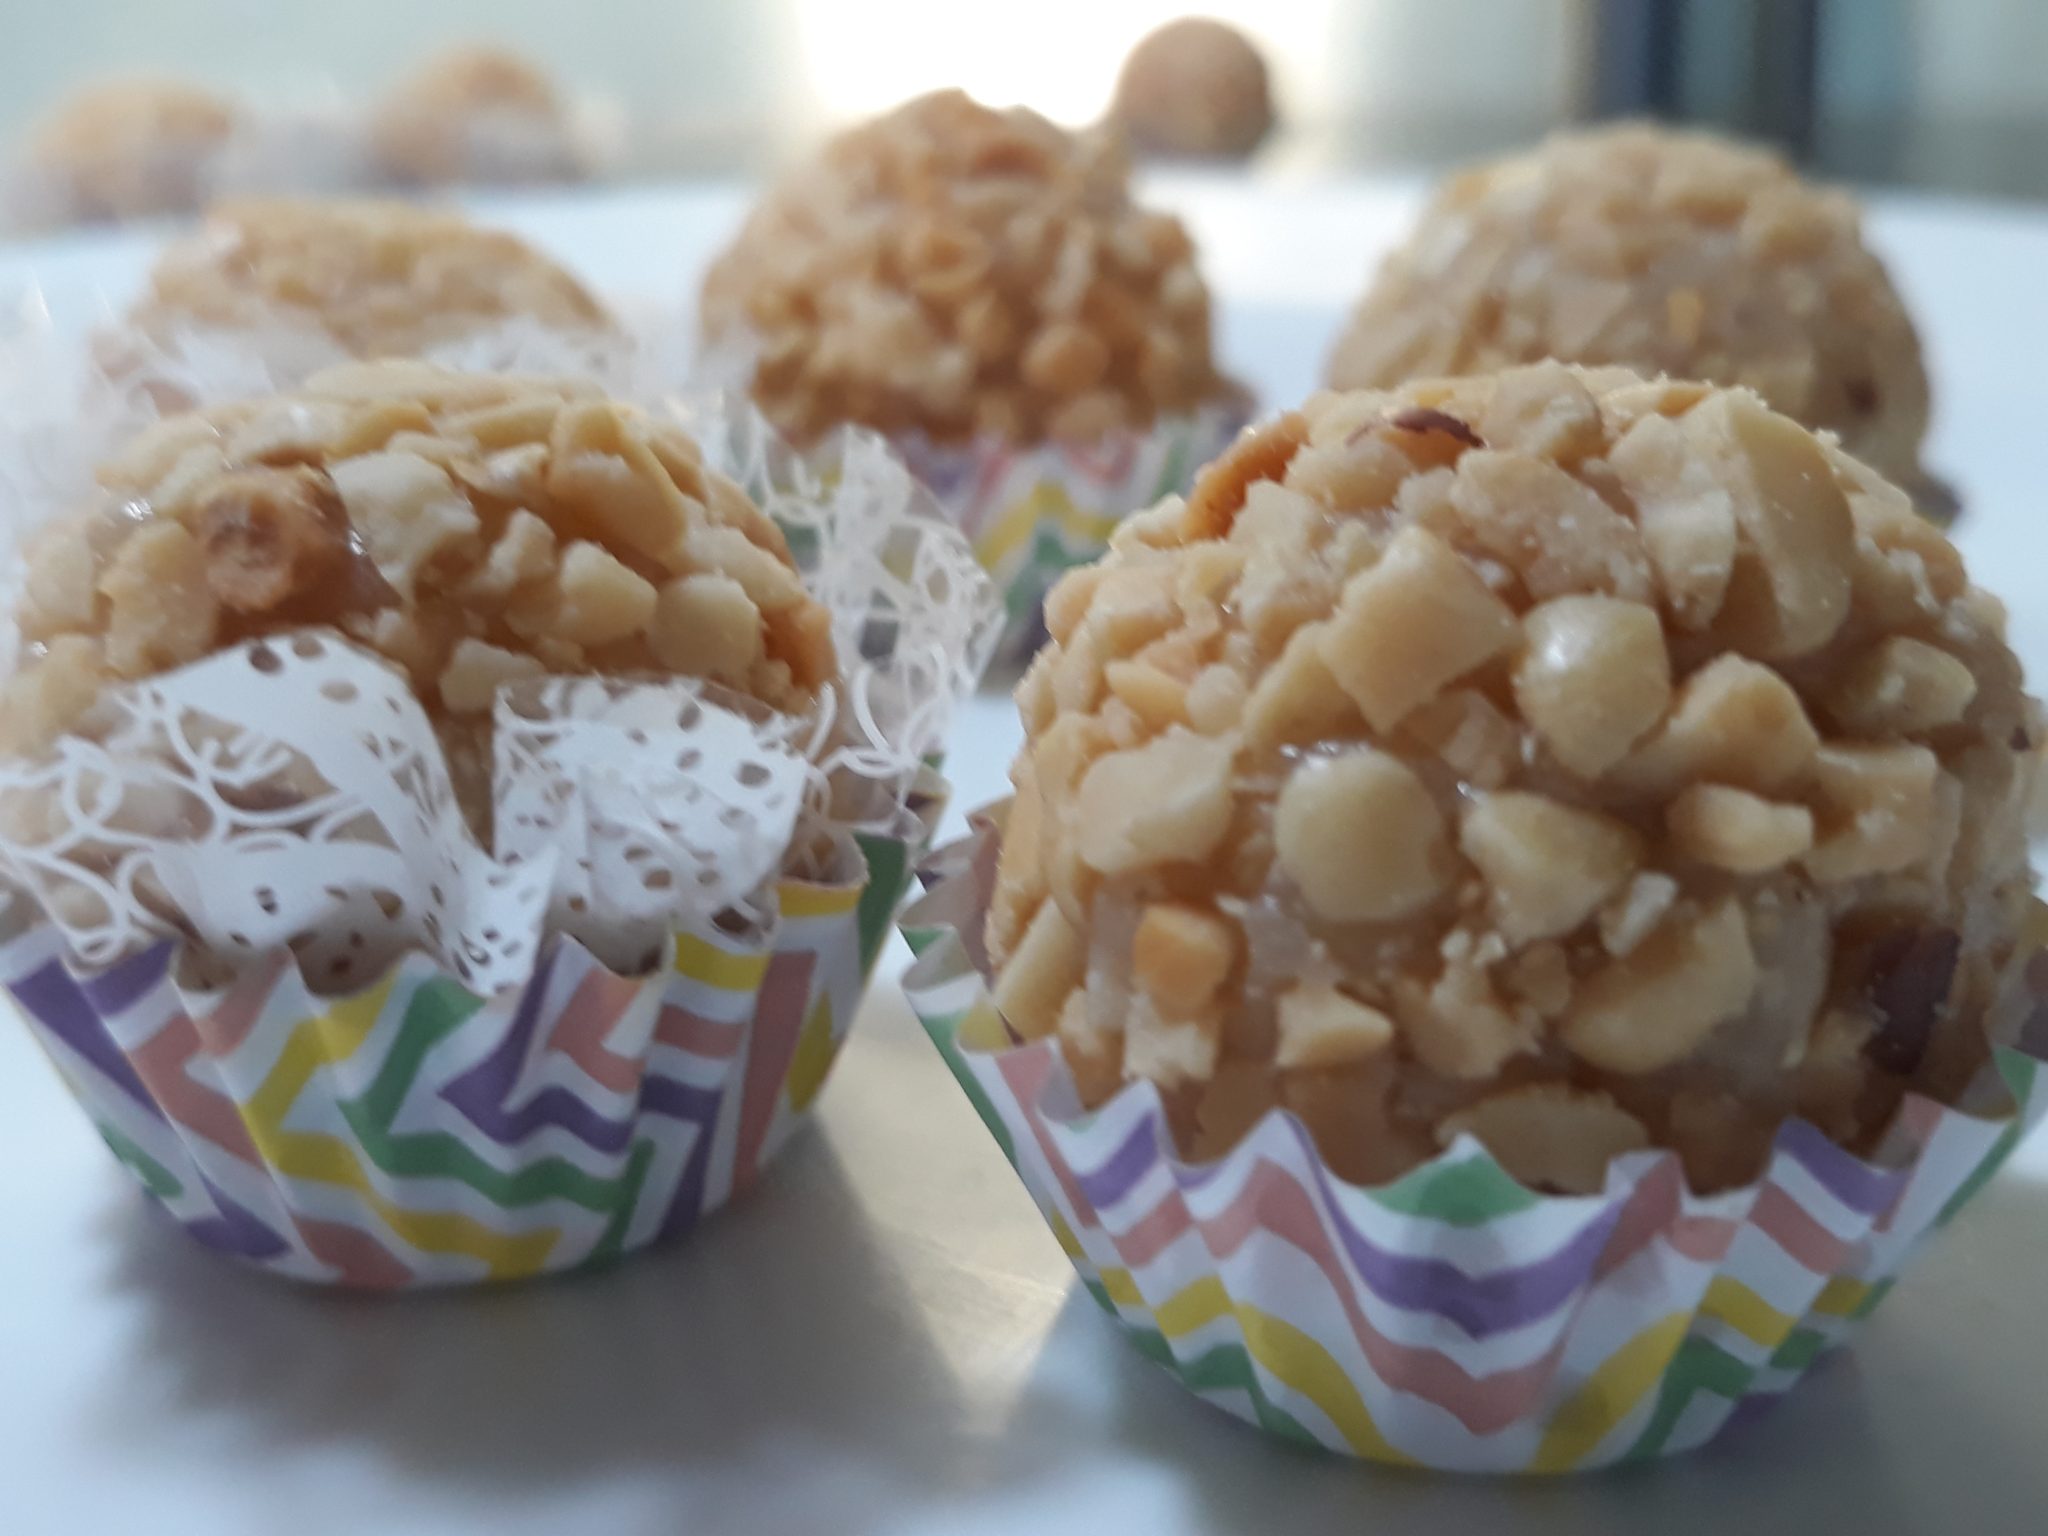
<point x="1033" y="511"/>
<point x="1452" y="1318"/>
<point x="413" y="1133"/>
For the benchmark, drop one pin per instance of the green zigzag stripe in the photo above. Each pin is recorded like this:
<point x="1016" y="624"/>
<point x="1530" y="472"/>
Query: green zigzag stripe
<point x="438" y="1008"/>
<point x="1466" y="1194"/>
<point x="1222" y="1368"/>
<point x="1801" y="1348"/>
<point x="155" y="1177"/>
<point x="1699" y="1366"/>
<point x="888" y="876"/>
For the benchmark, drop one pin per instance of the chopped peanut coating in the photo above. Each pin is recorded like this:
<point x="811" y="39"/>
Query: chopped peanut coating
<point x="957" y="271"/>
<point x="415" y="552"/>
<point x="1581" y="763"/>
<point x="1665" y="252"/>
<point x="380" y="279"/>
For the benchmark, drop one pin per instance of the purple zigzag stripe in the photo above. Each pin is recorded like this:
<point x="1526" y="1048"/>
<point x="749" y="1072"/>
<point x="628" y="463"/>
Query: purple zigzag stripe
<point x="1864" y="1189"/>
<point x="694" y="1106"/>
<point x="1485" y="1304"/>
<point x="122" y="985"/>
<point x="1120" y="1172"/>
<point x="236" y="1229"/>
<point x="1496" y="1301"/>
<point x="481" y="1094"/>
<point x="55" y="1001"/>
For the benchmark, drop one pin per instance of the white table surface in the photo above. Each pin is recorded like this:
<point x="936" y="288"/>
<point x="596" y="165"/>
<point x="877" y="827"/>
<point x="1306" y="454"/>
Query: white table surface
<point x="885" y="1338"/>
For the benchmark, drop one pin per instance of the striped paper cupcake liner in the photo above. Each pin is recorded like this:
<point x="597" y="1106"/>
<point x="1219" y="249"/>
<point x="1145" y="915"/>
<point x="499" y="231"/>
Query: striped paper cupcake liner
<point x="1453" y="1319"/>
<point x="1034" y="512"/>
<point x="417" y="1134"/>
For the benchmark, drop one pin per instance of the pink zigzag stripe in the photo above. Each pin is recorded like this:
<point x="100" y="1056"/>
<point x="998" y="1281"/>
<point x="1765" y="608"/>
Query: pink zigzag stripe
<point x="586" y="1022"/>
<point x="161" y="1062"/>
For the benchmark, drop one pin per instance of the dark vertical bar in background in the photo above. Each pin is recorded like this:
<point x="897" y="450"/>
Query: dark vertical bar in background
<point x="1634" y="58"/>
<point x="1784" y="73"/>
<point x="1750" y="67"/>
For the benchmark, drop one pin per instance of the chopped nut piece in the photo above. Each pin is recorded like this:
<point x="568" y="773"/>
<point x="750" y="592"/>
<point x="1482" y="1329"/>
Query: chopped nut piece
<point x="1464" y="728"/>
<point x="706" y="626"/>
<point x="1181" y="957"/>
<point x="273" y="536"/>
<point x="1458" y="1026"/>
<point x="161" y="608"/>
<point x="1262" y="453"/>
<point x="1653" y="1007"/>
<point x="1629" y="919"/>
<point x="1298" y="701"/>
<point x="1901" y="687"/>
<point x="1360" y="838"/>
<point x="1791" y="586"/>
<point x="1166" y="801"/>
<point x="1550" y="1136"/>
<point x="1171" y="1052"/>
<point x="1409" y="626"/>
<point x="1592" y="678"/>
<point x="1321" y="1027"/>
<point x="1047" y="965"/>
<point x="1685" y="514"/>
<point x="1734" y="721"/>
<point x="1552" y="529"/>
<point x="476" y="671"/>
<point x="1548" y="866"/>
<point x="408" y="513"/>
<point x="1876" y="809"/>
<point x="1734" y="830"/>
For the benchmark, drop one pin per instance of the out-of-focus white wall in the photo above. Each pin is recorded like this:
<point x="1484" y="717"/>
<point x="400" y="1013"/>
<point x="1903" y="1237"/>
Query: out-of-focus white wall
<point x="736" y="68"/>
<point x="1979" y="59"/>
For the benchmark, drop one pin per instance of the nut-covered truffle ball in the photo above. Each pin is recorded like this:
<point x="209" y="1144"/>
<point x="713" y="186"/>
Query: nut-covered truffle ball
<point x="1666" y="252"/>
<point x="1580" y="762"/>
<point x="473" y="529"/>
<point x="381" y="279"/>
<point x="130" y="149"/>
<point x="474" y="114"/>
<point x="1194" y="87"/>
<point x="952" y="270"/>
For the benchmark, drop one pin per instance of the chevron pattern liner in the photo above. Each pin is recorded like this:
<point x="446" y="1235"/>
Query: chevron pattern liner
<point x="416" y="1134"/>
<point x="1453" y="1319"/>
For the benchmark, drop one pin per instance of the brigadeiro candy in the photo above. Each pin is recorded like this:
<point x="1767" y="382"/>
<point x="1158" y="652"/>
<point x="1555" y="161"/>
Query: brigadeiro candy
<point x="982" y="287"/>
<point x="475" y="114"/>
<point x="373" y="279"/>
<point x="1661" y="251"/>
<point x="447" y="817"/>
<point x="1195" y="87"/>
<point x="1515" y="916"/>
<point x="123" y="149"/>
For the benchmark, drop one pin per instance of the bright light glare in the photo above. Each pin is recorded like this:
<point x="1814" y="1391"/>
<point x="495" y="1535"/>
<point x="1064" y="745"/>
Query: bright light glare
<point x="1059" y="56"/>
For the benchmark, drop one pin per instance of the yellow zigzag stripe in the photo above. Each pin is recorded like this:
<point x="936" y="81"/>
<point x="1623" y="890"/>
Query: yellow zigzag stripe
<point x="333" y="1037"/>
<point x="705" y="963"/>
<point x="1046" y="503"/>
<point x="1735" y="1304"/>
<point x="1841" y="1297"/>
<point x="1590" y="1413"/>
<point x="801" y="899"/>
<point x="1290" y="1356"/>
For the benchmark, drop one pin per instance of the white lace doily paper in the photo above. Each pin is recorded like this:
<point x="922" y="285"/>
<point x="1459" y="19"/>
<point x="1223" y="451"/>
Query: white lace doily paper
<point x="293" y="792"/>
